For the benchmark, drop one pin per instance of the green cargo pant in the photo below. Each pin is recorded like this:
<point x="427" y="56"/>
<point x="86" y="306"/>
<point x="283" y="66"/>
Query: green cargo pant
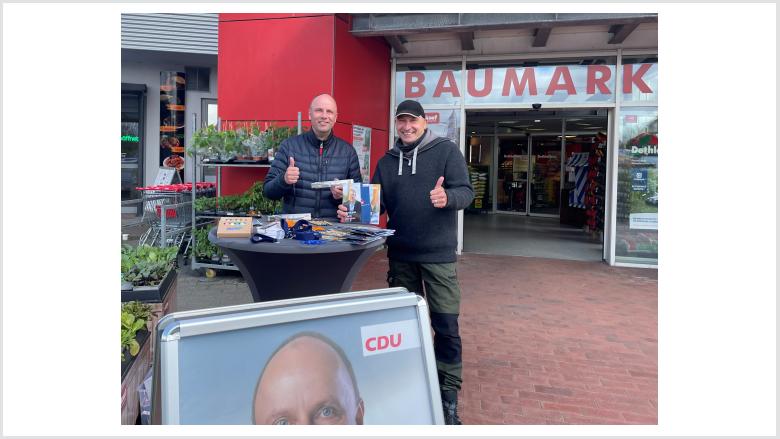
<point x="438" y="283"/>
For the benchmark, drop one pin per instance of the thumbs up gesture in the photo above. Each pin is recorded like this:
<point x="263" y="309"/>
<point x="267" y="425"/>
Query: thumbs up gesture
<point x="292" y="174"/>
<point x="438" y="195"/>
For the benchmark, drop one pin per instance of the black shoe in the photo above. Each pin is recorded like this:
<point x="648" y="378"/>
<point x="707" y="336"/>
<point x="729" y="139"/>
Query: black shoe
<point x="449" y="404"/>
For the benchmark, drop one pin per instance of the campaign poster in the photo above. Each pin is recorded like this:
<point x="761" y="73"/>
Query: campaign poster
<point x="172" y="91"/>
<point x="369" y="363"/>
<point x="361" y="141"/>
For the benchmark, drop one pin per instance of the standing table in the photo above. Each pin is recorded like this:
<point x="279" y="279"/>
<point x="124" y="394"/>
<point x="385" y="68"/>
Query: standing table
<point x="290" y="269"/>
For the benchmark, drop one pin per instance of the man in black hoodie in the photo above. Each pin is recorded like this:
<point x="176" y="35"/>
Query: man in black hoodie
<point x="424" y="183"/>
<point x="316" y="155"/>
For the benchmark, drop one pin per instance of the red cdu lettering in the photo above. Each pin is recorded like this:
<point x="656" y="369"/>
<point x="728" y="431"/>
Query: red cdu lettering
<point x="630" y="78"/>
<point x="442" y="87"/>
<point x="383" y="342"/>
<point x="601" y="81"/>
<point x="561" y="72"/>
<point x="528" y="80"/>
<point x="414" y="80"/>
<point x="487" y="87"/>
<point x="393" y="342"/>
<point x="368" y="344"/>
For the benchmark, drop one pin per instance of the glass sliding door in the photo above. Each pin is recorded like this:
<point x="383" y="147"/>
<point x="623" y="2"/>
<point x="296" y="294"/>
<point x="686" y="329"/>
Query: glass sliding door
<point x="545" y="184"/>
<point x="512" y="174"/>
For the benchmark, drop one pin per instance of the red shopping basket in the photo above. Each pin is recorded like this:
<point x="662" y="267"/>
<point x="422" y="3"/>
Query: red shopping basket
<point x="170" y="213"/>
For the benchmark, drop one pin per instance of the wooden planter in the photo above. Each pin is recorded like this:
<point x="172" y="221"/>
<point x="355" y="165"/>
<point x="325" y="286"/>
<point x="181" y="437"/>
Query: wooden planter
<point x="134" y="370"/>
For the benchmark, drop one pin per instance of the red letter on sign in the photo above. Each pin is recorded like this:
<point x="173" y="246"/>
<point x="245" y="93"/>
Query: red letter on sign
<point x="383" y="342"/>
<point x="393" y="342"/>
<point x="630" y="78"/>
<point x="568" y="83"/>
<point x="368" y="344"/>
<point x="528" y="79"/>
<point x="414" y="80"/>
<point x="600" y="82"/>
<point x="486" y="88"/>
<point x="447" y="76"/>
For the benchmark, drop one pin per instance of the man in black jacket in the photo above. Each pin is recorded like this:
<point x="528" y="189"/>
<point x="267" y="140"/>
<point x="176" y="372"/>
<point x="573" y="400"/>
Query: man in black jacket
<point x="424" y="183"/>
<point x="316" y="155"/>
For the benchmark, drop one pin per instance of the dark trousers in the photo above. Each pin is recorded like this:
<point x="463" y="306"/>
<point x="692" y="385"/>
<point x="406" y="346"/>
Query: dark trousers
<point x="438" y="283"/>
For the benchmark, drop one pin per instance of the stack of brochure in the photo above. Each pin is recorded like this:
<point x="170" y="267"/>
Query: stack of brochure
<point x="358" y="234"/>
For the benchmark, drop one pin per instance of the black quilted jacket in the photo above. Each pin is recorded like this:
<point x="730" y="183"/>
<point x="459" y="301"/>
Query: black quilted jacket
<point x="317" y="161"/>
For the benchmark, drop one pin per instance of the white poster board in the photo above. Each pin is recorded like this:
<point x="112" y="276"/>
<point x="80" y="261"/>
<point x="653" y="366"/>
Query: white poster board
<point x="242" y="364"/>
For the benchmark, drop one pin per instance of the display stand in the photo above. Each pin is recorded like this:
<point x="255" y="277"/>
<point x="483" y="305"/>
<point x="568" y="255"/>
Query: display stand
<point x="210" y="362"/>
<point x="206" y="219"/>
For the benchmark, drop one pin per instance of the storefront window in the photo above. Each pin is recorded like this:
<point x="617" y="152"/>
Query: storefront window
<point x="637" y="191"/>
<point x="429" y="84"/>
<point x="640" y="79"/>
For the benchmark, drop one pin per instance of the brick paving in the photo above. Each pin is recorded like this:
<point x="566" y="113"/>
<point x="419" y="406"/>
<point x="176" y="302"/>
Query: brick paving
<point x="544" y="341"/>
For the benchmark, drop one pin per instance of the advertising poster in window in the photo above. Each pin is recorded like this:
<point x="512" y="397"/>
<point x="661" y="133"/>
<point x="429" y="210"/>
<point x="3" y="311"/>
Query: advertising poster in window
<point x="444" y="123"/>
<point x="643" y="150"/>
<point x="172" y="90"/>
<point x="361" y="141"/>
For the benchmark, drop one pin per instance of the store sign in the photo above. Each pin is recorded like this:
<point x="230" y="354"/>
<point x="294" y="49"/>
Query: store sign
<point x="547" y="84"/>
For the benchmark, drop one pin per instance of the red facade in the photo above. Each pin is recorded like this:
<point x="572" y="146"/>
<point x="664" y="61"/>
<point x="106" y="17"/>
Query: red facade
<point x="272" y="65"/>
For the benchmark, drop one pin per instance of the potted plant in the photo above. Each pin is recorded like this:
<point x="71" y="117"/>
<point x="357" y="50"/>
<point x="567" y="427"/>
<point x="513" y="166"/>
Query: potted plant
<point x="275" y="136"/>
<point x="136" y="355"/>
<point x="134" y="334"/>
<point x="209" y="143"/>
<point x="148" y="272"/>
<point x="256" y="142"/>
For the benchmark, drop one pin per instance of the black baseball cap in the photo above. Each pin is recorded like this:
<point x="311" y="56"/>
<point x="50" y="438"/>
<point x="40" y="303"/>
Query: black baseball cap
<point x="411" y="108"/>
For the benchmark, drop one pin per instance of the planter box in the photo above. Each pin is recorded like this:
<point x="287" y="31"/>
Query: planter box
<point x="155" y="293"/>
<point x="162" y="298"/>
<point x="134" y="370"/>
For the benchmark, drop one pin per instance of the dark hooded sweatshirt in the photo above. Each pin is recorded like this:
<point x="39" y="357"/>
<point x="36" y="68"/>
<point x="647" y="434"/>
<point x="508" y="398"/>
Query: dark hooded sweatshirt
<point x="423" y="233"/>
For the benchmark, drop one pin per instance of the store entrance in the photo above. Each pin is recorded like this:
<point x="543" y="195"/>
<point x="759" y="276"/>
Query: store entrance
<point x="530" y="175"/>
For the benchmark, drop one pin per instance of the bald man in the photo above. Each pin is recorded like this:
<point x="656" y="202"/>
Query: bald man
<point x="307" y="381"/>
<point x="315" y="155"/>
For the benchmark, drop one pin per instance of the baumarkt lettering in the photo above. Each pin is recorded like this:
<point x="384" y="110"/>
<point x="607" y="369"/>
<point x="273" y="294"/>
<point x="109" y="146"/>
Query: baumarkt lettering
<point x="522" y="81"/>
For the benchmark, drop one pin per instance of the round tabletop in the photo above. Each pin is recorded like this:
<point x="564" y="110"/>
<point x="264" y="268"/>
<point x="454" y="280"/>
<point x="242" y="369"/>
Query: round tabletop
<point x="289" y="246"/>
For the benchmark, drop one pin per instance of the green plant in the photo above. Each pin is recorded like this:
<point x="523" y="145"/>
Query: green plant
<point x="208" y="142"/>
<point x="255" y="142"/>
<point x="147" y="265"/>
<point x="130" y="326"/>
<point x="231" y="143"/>
<point x="203" y="248"/>
<point x="275" y="135"/>
<point x="205" y="203"/>
<point x="138" y="309"/>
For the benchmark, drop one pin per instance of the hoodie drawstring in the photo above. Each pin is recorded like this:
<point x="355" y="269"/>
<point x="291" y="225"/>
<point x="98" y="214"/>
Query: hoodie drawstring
<point x="412" y="161"/>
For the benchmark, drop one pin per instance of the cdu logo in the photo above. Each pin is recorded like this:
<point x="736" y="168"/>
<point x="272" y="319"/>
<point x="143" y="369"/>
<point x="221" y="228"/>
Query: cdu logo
<point x="389" y="337"/>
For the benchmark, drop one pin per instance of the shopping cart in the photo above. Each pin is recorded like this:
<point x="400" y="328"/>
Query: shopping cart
<point x="167" y="210"/>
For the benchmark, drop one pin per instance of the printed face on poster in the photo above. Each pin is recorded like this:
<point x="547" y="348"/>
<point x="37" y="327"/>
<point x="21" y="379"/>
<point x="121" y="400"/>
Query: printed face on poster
<point x="361" y="141"/>
<point x="365" y="368"/>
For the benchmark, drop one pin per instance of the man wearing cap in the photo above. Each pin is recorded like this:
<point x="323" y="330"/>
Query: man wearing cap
<point x="316" y="155"/>
<point x="424" y="183"/>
